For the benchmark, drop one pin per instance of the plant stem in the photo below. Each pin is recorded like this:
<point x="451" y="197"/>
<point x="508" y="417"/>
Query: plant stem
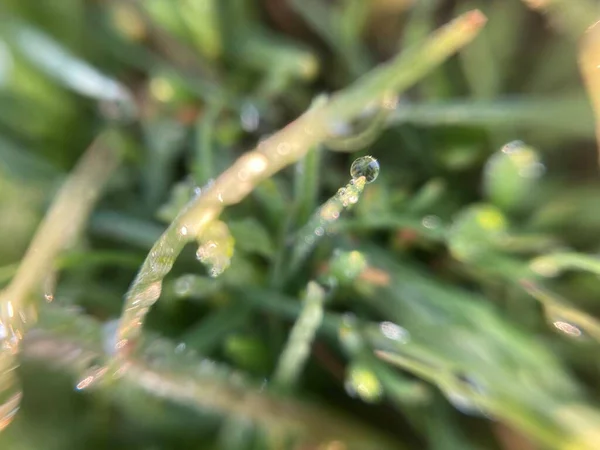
<point x="63" y="221"/>
<point x="69" y="341"/>
<point x="293" y="357"/>
<point x="59" y="227"/>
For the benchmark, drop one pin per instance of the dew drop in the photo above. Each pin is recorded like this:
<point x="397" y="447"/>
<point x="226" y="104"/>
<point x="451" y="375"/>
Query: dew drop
<point x="394" y="332"/>
<point x="284" y="148"/>
<point x="216" y="248"/>
<point x="49" y="287"/>
<point x="367" y="167"/>
<point x="249" y="118"/>
<point x="309" y="240"/>
<point x="567" y="328"/>
<point x="319" y="231"/>
<point x="183" y="285"/>
<point x="431" y="222"/>
<point x="91" y="377"/>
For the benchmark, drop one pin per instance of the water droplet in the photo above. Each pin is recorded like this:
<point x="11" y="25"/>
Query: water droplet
<point x="49" y="287"/>
<point x="319" y="231"/>
<point x="329" y="212"/>
<point x="363" y="383"/>
<point x="431" y="222"/>
<point x="180" y="348"/>
<point x="216" y="248"/>
<point x="394" y="332"/>
<point x="183" y="231"/>
<point x="309" y="240"/>
<point x="567" y="328"/>
<point x="249" y="117"/>
<point x="183" y="285"/>
<point x="283" y="148"/>
<point x="367" y="167"/>
<point x="91" y="377"/>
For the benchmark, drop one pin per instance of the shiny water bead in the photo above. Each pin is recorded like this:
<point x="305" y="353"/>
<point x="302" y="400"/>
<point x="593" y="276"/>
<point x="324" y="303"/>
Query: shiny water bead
<point x="367" y="167"/>
<point x="216" y="248"/>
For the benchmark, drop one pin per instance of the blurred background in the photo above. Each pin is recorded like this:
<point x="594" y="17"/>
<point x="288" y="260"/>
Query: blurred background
<point x="452" y="307"/>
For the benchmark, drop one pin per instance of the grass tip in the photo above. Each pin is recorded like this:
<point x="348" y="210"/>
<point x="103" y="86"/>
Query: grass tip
<point x="475" y="18"/>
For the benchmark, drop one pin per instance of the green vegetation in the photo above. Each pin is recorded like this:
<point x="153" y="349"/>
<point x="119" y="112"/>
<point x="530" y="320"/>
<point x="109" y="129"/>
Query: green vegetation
<point x="244" y="224"/>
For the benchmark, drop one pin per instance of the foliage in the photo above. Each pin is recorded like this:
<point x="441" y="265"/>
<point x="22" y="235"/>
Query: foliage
<point x="450" y="303"/>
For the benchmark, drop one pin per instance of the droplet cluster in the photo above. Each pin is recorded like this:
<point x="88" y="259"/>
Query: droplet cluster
<point x="216" y="248"/>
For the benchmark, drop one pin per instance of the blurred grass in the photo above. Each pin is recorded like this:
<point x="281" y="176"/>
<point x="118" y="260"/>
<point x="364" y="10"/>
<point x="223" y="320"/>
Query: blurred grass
<point x="458" y="295"/>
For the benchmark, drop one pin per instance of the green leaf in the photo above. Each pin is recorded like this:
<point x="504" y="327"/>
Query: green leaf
<point x="251" y="237"/>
